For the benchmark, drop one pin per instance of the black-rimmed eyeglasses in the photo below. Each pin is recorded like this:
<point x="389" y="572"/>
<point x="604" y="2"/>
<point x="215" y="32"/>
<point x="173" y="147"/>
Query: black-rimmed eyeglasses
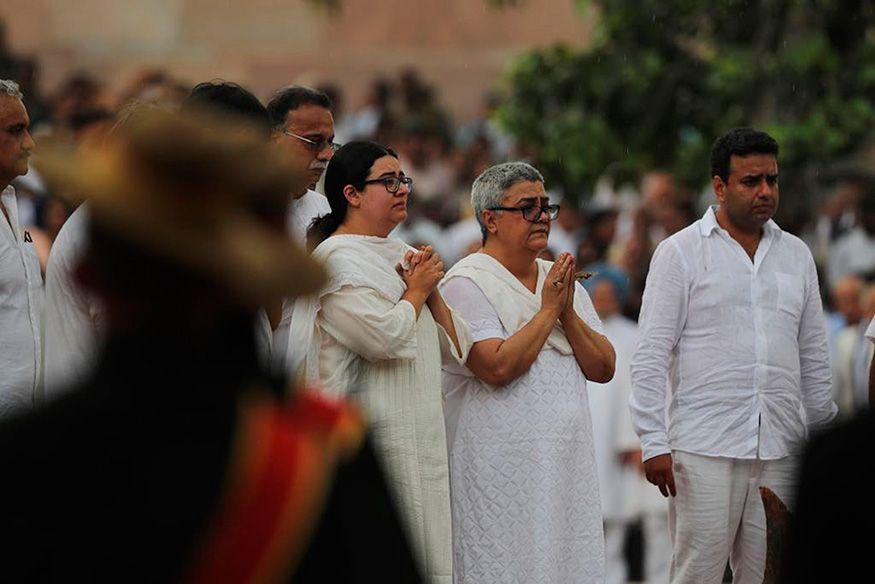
<point x="392" y="183"/>
<point x="315" y="145"/>
<point x="532" y="212"/>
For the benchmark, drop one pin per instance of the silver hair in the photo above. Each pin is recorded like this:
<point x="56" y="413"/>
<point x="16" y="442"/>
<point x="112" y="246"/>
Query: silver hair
<point x="489" y="188"/>
<point x="10" y="88"/>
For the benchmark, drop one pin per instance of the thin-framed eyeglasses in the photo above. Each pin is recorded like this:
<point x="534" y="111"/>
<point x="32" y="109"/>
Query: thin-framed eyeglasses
<point x="392" y="183"/>
<point x="532" y="213"/>
<point x="315" y="145"/>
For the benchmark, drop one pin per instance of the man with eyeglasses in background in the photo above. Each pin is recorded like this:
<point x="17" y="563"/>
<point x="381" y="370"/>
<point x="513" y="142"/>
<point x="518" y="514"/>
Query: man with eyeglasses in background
<point x="303" y="129"/>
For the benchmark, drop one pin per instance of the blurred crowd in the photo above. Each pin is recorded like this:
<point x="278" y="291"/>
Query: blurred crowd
<point x="612" y="234"/>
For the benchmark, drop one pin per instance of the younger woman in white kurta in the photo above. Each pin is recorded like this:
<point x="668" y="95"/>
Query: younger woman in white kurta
<point x="380" y="331"/>
<point x="525" y="490"/>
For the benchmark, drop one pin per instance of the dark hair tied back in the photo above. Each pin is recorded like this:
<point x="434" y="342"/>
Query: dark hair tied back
<point x="321" y="229"/>
<point x="350" y="165"/>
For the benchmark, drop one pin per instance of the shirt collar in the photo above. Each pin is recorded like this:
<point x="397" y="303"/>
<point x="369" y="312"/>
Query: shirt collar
<point x="708" y="223"/>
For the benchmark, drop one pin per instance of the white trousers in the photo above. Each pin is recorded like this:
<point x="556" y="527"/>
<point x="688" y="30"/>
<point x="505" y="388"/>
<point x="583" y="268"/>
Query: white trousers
<point x="718" y="514"/>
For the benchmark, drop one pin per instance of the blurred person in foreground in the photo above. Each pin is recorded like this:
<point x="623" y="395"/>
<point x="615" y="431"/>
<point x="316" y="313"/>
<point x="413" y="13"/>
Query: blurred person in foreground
<point x="524" y="484"/>
<point x="379" y="331"/>
<point x="732" y="316"/>
<point x="829" y="537"/>
<point x="272" y="322"/>
<point x="21" y="283"/>
<point x="303" y="131"/>
<point x="73" y="315"/>
<point x="617" y="450"/>
<point x="176" y="461"/>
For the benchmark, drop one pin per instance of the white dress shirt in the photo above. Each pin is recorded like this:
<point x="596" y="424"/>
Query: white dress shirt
<point x="21" y="304"/>
<point x="750" y="365"/>
<point x="870" y="332"/>
<point x="72" y="314"/>
<point x="302" y="211"/>
<point x="273" y="343"/>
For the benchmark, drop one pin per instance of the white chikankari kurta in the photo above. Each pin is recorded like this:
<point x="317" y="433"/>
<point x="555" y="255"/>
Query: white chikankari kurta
<point x="524" y="485"/>
<point x="364" y="341"/>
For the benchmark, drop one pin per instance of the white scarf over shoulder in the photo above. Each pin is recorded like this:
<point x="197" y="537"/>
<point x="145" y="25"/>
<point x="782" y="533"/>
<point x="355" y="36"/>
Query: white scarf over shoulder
<point x="351" y="260"/>
<point x="515" y="304"/>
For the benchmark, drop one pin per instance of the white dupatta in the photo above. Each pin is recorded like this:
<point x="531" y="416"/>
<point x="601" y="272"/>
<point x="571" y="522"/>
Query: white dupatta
<point x="515" y="304"/>
<point x="351" y="260"/>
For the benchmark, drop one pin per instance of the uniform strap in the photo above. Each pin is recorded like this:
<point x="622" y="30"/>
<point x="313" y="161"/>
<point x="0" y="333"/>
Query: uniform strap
<point x="282" y="464"/>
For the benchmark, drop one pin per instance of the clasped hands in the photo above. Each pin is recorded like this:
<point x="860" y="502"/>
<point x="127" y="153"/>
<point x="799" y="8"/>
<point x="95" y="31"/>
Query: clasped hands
<point x="424" y="270"/>
<point x="557" y="294"/>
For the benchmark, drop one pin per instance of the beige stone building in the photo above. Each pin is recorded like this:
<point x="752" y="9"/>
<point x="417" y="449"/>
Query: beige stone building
<point x="461" y="46"/>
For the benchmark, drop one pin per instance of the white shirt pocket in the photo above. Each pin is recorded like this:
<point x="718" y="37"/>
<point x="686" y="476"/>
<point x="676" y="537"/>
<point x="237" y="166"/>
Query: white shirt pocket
<point x="791" y="295"/>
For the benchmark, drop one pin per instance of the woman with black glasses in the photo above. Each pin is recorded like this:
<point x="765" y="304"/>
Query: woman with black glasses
<point x="524" y="485"/>
<point x="379" y="331"/>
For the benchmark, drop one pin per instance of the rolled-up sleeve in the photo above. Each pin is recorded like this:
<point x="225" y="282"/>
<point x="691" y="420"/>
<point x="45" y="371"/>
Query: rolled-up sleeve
<point x="663" y="313"/>
<point x="369" y="324"/>
<point x="814" y="365"/>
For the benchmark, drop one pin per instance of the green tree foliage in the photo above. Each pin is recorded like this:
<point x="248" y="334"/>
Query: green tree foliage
<point x="663" y="78"/>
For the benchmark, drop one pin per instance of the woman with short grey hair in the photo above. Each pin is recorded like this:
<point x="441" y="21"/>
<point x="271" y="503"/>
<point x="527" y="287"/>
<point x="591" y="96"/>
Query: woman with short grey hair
<point x="524" y="487"/>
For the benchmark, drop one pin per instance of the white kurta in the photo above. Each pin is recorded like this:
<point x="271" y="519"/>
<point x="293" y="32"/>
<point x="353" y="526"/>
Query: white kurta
<point x="371" y="345"/>
<point x="72" y="317"/>
<point x="524" y="485"/>
<point x="21" y="305"/>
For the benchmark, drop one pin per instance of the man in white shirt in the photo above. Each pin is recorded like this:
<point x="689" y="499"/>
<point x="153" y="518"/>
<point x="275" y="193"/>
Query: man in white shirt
<point x="303" y="129"/>
<point x="21" y="285"/>
<point x="732" y="316"/>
